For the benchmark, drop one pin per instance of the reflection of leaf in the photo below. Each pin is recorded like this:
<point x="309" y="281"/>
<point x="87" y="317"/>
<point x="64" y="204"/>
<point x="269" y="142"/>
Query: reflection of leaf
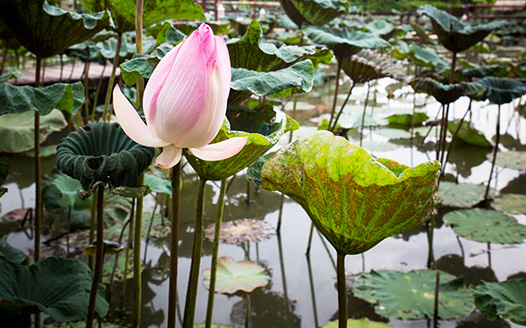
<point x="486" y="226"/>
<point x="460" y="195"/>
<point x="511" y="203"/>
<point x="506" y="299"/>
<point x="241" y="231"/>
<point x="411" y="295"/>
<point x="360" y="323"/>
<point x="236" y="276"/>
<point x="468" y="134"/>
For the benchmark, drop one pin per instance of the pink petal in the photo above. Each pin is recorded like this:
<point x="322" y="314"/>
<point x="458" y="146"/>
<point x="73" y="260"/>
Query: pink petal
<point x="131" y="123"/>
<point x="221" y="150"/>
<point x="170" y="156"/>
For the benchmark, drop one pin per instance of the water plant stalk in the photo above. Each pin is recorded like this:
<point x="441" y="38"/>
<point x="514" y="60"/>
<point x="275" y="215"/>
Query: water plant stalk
<point x="137" y="259"/>
<point x="97" y="92"/>
<point x="127" y="254"/>
<point x="435" y="312"/>
<point x="215" y="252"/>
<point x="99" y="257"/>
<point x="331" y="128"/>
<point x="93" y="218"/>
<point x="450" y="146"/>
<point x="107" y="114"/>
<point x="174" y="244"/>
<point x="336" y="88"/>
<point x="342" y="290"/>
<point x="495" y="150"/>
<point x="38" y="169"/>
<point x="191" y="294"/>
<point x="312" y="293"/>
<point x="309" y="243"/>
<point x="363" y="113"/>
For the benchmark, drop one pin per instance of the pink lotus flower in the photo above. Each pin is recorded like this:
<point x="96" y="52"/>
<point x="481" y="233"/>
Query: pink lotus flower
<point x="184" y="102"/>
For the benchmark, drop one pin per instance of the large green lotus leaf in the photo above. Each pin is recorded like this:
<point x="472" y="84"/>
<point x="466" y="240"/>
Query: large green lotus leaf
<point x="315" y="12"/>
<point x="260" y="139"/>
<point x="250" y="52"/>
<point x="233" y="276"/>
<point x="501" y="90"/>
<point x="58" y="287"/>
<point x="10" y="75"/>
<point x="3" y="174"/>
<point x="19" y="99"/>
<point x="354" y="200"/>
<point x="486" y="226"/>
<point x="344" y="42"/>
<point x="512" y="159"/>
<point x="298" y="78"/>
<point x="158" y="184"/>
<point x="468" y="133"/>
<point x="447" y="93"/>
<point x="359" y="323"/>
<point x="427" y="57"/>
<point x="123" y="11"/>
<point x="102" y="152"/>
<point x="497" y="70"/>
<point x="142" y="65"/>
<point x="380" y="27"/>
<point x="368" y="65"/>
<point x="12" y="254"/>
<point x="411" y="295"/>
<point x="17" y="130"/>
<point x="460" y="195"/>
<point x="46" y="30"/>
<point x="506" y="299"/>
<point x="416" y="119"/>
<point x="67" y="188"/>
<point x="511" y="203"/>
<point x="452" y="33"/>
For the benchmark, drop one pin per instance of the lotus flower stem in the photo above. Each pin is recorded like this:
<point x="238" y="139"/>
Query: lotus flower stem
<point x="107" y="114"/>
<point x="174" y="244"/>
<point x="364" y="110"/>
<point x="38" y="169"/>
<point x="450" y="146"/>
<point x="191" y="294"/>
<point x="99" y="257"/>
<point x="452" y="72"/>
<point x="128" y="248"/>
<point x="336" y="89"/>
<point x="150" y="224"/>
<point x="435" y="312"/>
<point x="215" y="251"/>
<point x="342" y="291"/>
<point x="430" y="255"/>
<point x="444" y="135"/>
<point x="486" y="194"/>
<point x="331" y="128"/>
<point x="137" y="259"/>
<point x="307" y="252"/>
<point x="93" y="218"/>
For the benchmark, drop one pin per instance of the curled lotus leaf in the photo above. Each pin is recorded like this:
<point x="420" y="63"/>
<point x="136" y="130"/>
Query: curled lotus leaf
<point x="344" y="42"/>
<point x="235" y="276"/>
<point x="368" y="65"/>
<point x="102" y="152"/>
<point x="354" y="200"/>
<point x="263" y="130"/>
<point x="455" y="35"/>
<point x="314" y="12"/>
<point x="447" y="93"/>
<point x="501" y="90"/>
<point x="47" y="30"/>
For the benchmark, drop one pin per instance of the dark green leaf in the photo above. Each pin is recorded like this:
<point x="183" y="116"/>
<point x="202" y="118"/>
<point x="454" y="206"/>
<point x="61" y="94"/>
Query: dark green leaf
<point x="368" y="65"/>
<point x="12" y="74"/>
<point x="501" y="90"/>
<point x="506" y="299"/>
<point x="12" y="254"/>
<point x="468" y="134"/>
<point x="315" y="12"/>
<point x="158" y="184"/>
<point x="447" y="93"/>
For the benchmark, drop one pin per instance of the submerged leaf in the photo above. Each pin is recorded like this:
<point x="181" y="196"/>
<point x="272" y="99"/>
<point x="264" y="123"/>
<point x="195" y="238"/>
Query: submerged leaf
<point x="354" y="200"/>
<point x="506" y="299"/>
<point x="512" y="159"/>
<point x="236" y="276"/>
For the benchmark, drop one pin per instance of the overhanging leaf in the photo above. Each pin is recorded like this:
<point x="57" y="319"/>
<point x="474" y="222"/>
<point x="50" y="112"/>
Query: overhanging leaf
<point x="506" y="299"/>
<point x="447" y="93"/>
<point x="315" y="12"/>
<point x="236" y="276"/>
<point x="486" y="226"/>
<point x="68" y="188"/>
<point x="411" y="295"/>
<point x="158" y="184"/>
<point x="501" y="90"/>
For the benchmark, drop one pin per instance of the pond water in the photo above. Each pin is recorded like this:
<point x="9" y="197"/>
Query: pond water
<point x="302" y="289"/>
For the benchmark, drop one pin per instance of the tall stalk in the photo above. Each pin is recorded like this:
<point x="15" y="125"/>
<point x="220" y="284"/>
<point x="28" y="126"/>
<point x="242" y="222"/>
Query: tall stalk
<point x="331" y="128"/>
<point x="38" y="169"/>
<point x="215" y="251"/>
<point x="191" y="294"/>
<point x="106" y="115"/>
<point x="342" y="290"/>
<point x="99" y="257"/>
<point x="486" y="194"/>
<point x="364" y="110"/>
<point x="336" y="89"/>
<point x="137" y="259"/>
<point x="174" y="244"/>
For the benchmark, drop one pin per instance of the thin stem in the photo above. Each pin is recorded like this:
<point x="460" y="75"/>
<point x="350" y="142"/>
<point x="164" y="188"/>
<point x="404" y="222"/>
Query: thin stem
<point x="450" y="146"/>
<point x="312" y="293"/>
<point x="430" y="254"/>
<point x="363" y="114"/>
<point x="336" y="88"/>
<point x="137" y="259"/>
<point x="174" y="244"/>
<point x="99" y="257"/>
<point x="309" y="243"/>
<point x="331" y="128"/>
<point x="452" y="73"/>
<point x="247" y="316"/>
<point x="38" y="169"/>
<point x="93" y="218"/>
<point x="127" y="254"/>
<point x="99" y="85"/>
<point x="435" y="312"/>
<point x="191" y="294"/>
<point x="486" y="194"/>
<point x="444" y="135"/>
<point x="68" y="228"/>
<point x="106" y="115"/>
<point x="138" y="45"/>
<point x="342" y="291"/>
<point x="215" y="251"/>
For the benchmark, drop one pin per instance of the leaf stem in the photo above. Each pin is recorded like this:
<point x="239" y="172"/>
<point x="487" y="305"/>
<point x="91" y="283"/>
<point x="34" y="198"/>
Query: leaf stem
<point x="107" y="114"/>
<point x="174" y="244"/>
<point x="38" y="169"/>
<point x="342" y="291"/>
<point x="336" y="89"/>
<point x="137" y="259"/>
<point x="486" y="194"/>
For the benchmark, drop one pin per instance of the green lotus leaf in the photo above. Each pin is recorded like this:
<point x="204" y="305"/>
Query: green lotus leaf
<point x="460" y="195"/>
<point x="420" y="31"/>
<point x="368" y="65"/>
<point x="452" y="33"/>
<point x="315" y="12"/>
<point x="359" y="323"/>
<point x="158" y="184"/>
<point x="55" y="286"/>
<point x="46" y="30"/>
<point x="123" y="11"/>
<point x="17" y="130"/>
<point x="19" y="99"/>
<point x="411" y="295"/>
<point x="501" y="90"/>
<point x="468" y="133"/>
<point x="511" y="203"/>
<point x="497" y="70"/>
<point x="298" y="78"/>
<point x="233" y="276"/>
<point x="447" y="93"/>
<point x="263" y="131"/>
<point x="11" y="74"/>
<point x="142" y="65"/>
<point x="416" y="119"/>
<point x="381" y="28"/>
<point x="486" y="226"/>
<point x="427" y="57"/>
<point x="344" y="42"/>
<point x="12" y="254"/>
<point x="512" y="159"/>
<point x="251" y="53"/>
<point x="506" y="299"/>
<point x="102" y="152"/>
<point x="354" y="200"/>
<point x="67" y="188"/>
<point x="3" y="174"/>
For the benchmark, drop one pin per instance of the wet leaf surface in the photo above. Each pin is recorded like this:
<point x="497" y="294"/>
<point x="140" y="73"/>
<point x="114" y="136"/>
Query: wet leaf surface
<point x="460" y="195"/>
<point x="242" y="231"/>
<point x="235" y="276"/>
<point x="511" y="203"/>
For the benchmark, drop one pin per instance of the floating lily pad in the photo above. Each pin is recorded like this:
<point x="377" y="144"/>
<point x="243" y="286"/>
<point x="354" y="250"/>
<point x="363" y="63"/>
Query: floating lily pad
<point x="393" y="133"/>
<point x="55" y="286"/>
<point x="411" y="295"/>
<point x="486" y="226"/>
<point x="460" y="195"/>
<point x="468" y="133"/>
<point x="241" y="231"/>
<point x="512" y="159"/>
<point x="408" y="119"/>
<point x="359" y="323"/>
<point x="506" y="299"/>
<point x="235" y="276"/>
<point x="511" y="203"/>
